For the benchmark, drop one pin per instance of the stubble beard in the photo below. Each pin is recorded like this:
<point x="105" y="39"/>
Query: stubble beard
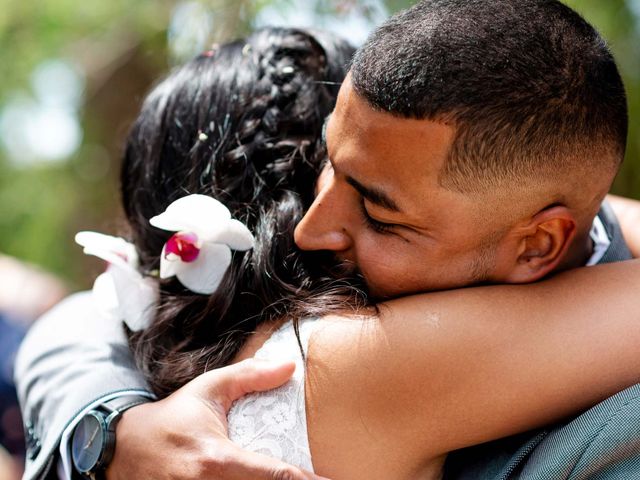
<point x="483" y="265"/>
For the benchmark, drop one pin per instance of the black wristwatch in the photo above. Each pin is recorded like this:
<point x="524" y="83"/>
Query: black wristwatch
<point x="94" y="438"/>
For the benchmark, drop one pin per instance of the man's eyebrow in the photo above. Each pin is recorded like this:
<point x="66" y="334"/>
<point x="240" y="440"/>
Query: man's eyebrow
<point x="374" y="195"/>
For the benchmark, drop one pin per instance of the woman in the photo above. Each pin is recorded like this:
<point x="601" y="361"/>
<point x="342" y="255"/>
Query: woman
<point x="388" y="389"/>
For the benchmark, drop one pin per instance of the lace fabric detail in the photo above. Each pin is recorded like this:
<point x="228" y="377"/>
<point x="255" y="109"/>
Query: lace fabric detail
<point x="274" y="423"/>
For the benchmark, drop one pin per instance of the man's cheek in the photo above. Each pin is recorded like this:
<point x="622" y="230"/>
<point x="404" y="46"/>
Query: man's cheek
<point x="385" y="277"/>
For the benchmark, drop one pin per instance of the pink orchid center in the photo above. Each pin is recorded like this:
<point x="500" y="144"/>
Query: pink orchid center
<point x="123" y="256"/>
<point x="184" y="245"/>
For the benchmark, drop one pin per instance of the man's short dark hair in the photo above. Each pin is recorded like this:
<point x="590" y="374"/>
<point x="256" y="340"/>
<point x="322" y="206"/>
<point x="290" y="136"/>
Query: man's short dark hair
<point x="529" y="85"/>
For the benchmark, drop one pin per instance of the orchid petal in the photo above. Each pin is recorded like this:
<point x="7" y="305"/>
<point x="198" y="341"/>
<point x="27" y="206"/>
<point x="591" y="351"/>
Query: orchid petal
<point x="168" y="266"/>
<point x="234" y="234"/>
<point x="136" y="298"/>
<point x="114" y="250"/>
<point x="205" y="275"/>
<point x="104" y="294"/>
<point x="200" y="214"/>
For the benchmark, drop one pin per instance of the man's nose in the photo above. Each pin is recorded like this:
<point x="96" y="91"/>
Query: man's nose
<point x="324" y="227"/>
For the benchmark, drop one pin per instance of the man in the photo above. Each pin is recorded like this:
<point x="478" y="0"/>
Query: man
<point x="474" y="141"/>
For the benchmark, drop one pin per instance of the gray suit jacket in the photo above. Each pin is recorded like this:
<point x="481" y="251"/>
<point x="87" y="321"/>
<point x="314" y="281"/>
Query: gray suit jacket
<point x="71" y="357"/>
<point x="74" y="356"/>
<point x="603" y="443"/>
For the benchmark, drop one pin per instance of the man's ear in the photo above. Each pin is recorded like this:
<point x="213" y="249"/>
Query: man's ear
<point x="542" y="244"/>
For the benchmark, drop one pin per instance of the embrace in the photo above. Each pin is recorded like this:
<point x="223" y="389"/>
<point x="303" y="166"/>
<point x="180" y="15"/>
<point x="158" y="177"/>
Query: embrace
<point x="303" y="218"/>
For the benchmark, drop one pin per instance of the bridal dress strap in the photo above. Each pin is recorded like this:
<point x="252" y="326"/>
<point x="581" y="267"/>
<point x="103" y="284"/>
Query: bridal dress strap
<point x="274" y="423"/>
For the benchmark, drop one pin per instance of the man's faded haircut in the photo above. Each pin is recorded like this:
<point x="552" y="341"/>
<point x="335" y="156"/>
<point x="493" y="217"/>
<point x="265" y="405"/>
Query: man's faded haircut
<point x="530" y="87"/>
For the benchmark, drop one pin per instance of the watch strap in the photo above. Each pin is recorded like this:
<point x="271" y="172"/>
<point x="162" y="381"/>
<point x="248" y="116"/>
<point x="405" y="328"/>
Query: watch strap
<point x="123" y="403"/>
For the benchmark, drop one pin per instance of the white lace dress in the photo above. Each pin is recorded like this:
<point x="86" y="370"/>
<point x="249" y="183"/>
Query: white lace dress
<point x="274" y="423"/>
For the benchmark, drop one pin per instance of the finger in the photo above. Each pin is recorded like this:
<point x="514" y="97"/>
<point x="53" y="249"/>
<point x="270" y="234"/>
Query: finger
<point x="227" y="384"/>
<point x="261" y="467"/>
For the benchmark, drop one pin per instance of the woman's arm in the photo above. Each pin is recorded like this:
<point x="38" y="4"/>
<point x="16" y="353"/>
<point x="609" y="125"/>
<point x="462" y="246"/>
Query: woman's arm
<point x="437" y="372"/>
<point x="628" y="213"/>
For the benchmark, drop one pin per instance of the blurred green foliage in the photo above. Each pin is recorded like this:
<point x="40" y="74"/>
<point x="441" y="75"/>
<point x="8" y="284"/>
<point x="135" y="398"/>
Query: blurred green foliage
<point x="619" y="23"/>
<point x="121" y="47"/>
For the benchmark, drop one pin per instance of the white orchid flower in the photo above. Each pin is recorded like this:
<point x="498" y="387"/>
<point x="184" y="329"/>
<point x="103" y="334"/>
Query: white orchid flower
<point x="199" y="253"/>
<point x="121" y="290"/>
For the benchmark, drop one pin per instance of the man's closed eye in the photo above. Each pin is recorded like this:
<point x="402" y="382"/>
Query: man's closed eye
<point x="375" y="225"/>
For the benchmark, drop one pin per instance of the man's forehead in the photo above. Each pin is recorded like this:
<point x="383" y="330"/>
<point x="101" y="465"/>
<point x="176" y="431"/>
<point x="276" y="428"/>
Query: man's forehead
<point x="381" y="144"/>
<point x="360" y="114"/>
<point x="399" y="157"/>
<point x="355" y="115"/>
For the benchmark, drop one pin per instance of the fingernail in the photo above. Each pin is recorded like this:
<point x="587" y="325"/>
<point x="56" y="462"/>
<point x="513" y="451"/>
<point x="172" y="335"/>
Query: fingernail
<point x="274" y="363"/>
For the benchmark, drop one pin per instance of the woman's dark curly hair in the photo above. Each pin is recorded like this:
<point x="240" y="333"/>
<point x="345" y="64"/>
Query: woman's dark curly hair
<point x="240" y="123"/>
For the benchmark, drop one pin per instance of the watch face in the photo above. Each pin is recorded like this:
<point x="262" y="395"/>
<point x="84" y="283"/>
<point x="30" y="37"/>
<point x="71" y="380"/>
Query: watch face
<point x="88" y="442"/>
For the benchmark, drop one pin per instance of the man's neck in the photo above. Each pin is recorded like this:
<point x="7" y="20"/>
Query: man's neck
<point x="579" y="253"/>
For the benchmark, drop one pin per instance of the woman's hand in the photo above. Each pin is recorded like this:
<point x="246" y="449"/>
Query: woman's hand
<point x="184" y="436"/>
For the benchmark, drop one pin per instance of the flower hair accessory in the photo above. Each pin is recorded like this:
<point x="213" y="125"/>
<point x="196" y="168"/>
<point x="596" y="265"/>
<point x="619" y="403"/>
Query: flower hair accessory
<point x="121" y="290"/>
<point x="199" y="253"/>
